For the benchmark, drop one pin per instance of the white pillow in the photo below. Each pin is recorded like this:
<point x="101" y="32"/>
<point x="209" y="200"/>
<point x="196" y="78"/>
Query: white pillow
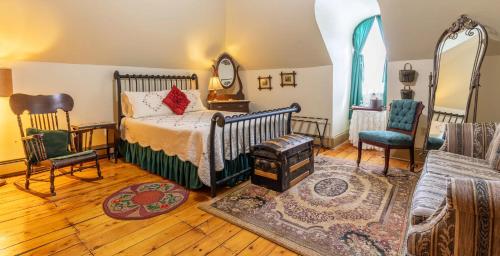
<point x="195" y="102"/>
<point x="142" y="104"/>
<point x="437" y="129"/>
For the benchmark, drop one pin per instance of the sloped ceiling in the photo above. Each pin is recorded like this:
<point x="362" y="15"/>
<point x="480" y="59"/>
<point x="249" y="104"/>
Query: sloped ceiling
<point x="274" y="34"/>
<point x="191" y="33"/>
<point x="147" y="33"/>
<point x="412" y="28"/>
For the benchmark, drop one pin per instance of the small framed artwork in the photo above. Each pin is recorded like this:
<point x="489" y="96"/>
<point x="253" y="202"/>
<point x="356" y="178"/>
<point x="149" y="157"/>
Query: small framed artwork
<point x="288" y="79"/>
<point x="265" y="83"/>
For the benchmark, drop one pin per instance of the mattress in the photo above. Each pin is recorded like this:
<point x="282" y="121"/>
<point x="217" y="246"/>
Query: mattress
<point x="186" y="137"/>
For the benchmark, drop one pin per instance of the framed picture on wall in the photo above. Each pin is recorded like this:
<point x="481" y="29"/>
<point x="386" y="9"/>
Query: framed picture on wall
<point x="288" y="79"/>
<point x="265" y="83"/>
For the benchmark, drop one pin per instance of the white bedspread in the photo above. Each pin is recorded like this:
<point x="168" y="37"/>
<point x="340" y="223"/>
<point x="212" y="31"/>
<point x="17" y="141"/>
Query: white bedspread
<point x="185" y="136"/>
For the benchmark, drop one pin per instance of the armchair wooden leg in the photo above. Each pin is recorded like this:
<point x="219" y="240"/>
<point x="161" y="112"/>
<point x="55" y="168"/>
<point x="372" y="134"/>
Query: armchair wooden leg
<point x="387" y="153"/>
<point x="360" y="151"/>
<point x="412" y="159"/>
<point x="28" y="175"/>
<point x="71" y="170"/>
<point x="52" y="181"/>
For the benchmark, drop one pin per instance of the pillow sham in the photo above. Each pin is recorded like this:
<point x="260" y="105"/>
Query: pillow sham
<point x="196" y="104"/>
<point x="143" y="104"/>
<point x="176" y="100"/>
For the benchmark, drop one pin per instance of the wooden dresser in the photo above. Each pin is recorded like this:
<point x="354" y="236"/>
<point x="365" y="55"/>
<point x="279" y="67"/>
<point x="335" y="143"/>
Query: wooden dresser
<point x="230" y="105"/>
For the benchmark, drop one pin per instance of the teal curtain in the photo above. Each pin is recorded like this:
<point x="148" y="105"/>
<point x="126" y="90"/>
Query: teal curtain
<point x="358" y="40"/>
<point x="384" y="77"/>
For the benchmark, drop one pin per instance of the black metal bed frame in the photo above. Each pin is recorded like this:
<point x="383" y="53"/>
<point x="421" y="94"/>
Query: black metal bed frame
<point x="265" y="125"/>
<point x="448" y="117"/>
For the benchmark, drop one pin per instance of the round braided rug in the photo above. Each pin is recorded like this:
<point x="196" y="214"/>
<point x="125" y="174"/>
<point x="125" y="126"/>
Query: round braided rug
<point x="145" y="200"/>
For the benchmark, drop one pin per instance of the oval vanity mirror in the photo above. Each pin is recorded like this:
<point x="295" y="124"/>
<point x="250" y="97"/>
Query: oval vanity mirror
<point x="226" y="71"/>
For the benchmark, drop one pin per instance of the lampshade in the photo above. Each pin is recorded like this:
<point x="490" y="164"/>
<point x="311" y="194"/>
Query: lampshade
<point x="215" y="84"/>
<point x="5" y="82"/>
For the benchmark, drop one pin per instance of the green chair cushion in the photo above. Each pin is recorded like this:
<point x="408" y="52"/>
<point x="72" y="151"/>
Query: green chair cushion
<point x="83" y="153"/>
<point x="434" y="143"/>
<point x="402" y="114"/>
<point x="55" y="141"/>
<point x="386" y="137"/>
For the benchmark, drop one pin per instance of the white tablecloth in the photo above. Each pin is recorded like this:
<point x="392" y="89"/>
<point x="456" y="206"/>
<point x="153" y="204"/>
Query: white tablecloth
<point x="363" y="120"/>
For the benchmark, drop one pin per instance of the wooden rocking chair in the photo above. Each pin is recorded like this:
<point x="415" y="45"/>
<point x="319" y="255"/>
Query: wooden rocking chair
<point x="41" y="154"/>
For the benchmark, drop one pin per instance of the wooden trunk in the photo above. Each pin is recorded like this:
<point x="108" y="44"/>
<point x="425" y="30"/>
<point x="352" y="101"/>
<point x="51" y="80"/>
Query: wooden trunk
<point x="282" y="162"/>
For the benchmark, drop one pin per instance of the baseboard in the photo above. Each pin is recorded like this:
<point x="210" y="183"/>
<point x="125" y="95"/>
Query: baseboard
<point x="337" y="140"/>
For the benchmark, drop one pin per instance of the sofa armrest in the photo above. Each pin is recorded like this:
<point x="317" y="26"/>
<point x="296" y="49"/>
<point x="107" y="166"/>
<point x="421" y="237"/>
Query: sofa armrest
<point x="468" y="139"/>
<point x="465" y="223"/>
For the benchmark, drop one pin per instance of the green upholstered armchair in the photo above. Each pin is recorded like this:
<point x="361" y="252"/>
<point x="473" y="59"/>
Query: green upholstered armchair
<point x="400" y="133"/>
<point x="46" y="146"/>
<point x="466" y="224"/>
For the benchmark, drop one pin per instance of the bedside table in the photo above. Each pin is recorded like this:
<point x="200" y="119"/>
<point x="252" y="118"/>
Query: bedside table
<point x="230" y="105"/>
<point x="84" y="132"/>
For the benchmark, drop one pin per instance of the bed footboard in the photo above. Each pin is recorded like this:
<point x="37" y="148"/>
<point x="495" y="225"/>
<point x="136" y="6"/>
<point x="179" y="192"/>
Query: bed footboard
<point x="240" y="132"/>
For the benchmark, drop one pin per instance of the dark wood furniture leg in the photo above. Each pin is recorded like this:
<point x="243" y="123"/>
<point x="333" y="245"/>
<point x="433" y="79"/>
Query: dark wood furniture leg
<point x="412" y="158"/>
<point x="360" y="151"/>
<point x="97" y="166"/>
<point x="28" y="175"/>
<point x="52" y="179"/>
<point x="387" y="154"/>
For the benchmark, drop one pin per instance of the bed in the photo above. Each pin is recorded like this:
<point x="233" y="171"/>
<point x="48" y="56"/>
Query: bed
<point x="196" y="149"/>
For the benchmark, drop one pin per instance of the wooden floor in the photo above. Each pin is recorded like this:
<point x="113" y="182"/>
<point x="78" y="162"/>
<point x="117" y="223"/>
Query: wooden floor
<point x="73" y="222"/>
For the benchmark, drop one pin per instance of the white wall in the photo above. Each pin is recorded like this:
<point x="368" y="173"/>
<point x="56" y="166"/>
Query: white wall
<point x="336" y="20"/>
<point x="489" y="92"/>
<point x="90" y="85"/>
<point x="313" y="91"/>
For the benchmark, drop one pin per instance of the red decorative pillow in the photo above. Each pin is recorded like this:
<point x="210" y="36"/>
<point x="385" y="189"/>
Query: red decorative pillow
<point x="176" y="100"/>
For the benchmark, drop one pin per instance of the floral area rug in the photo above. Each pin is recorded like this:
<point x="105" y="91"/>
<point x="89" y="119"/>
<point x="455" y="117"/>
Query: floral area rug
<point x="146" y="200"/>
<point x="338" y="210"/>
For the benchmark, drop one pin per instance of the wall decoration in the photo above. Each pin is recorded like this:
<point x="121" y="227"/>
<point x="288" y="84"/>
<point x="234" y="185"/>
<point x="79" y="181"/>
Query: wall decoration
<point x="288" y="79"/>
<point x="265" y="83"/>
<point x="407" y="76"/>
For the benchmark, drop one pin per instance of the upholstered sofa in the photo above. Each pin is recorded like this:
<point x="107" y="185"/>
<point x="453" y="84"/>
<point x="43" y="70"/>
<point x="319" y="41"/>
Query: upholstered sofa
<point x="456" y="203"/>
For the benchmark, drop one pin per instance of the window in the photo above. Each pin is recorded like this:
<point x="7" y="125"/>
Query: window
<point x="374" y="54"/>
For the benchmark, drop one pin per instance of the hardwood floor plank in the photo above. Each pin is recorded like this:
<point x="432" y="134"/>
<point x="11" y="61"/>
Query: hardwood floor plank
<point x="261" y="246"/>
<point x="155" y="241"/>
<point x="56" y="246"/>
<point x="73" y="222"/>
<point x="221" y="251"/>
<point x="21" y="245"/>
<point x="240" y="241"/>
<point x="214" y="239"/>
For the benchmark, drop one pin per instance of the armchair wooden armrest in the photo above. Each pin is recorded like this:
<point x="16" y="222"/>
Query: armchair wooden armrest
<point x="466" y="224"/>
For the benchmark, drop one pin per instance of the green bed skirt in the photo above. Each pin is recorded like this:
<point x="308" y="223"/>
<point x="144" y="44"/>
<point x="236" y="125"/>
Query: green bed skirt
<point x="172" y="168"/>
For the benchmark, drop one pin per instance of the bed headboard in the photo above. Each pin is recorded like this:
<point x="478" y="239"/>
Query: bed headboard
<point x="150" y="83"/>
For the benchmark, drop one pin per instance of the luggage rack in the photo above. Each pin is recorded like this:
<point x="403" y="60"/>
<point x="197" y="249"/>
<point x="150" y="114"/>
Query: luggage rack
<point x="320" y="131"/>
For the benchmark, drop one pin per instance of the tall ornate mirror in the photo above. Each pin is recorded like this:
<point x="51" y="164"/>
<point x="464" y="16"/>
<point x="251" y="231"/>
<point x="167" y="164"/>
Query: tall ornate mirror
<point x="454" y="83"/>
